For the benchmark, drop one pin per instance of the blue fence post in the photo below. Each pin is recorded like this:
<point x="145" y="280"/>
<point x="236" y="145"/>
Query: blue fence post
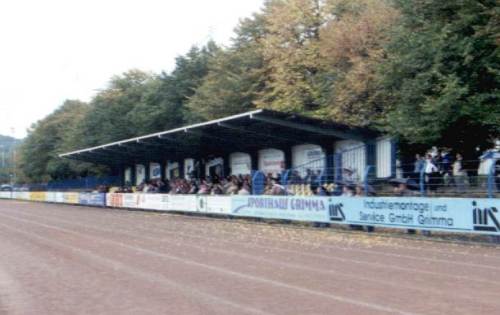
<point x="422" y="181"/>
<point x="284" y="180"/>
<point x="337" y="162"/>
<point x="491" y="180"/>
<point x="258" y="182"/>
<point x="365" y="179"/>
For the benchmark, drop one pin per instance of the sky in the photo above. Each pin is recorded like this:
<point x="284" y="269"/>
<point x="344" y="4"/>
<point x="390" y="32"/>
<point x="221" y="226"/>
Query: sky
<point x="54" y="50"/>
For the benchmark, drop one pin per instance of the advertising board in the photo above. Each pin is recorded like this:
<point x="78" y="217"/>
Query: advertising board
<point x="444" y="214"/>
<point x="37" y="196"/>
<point x="93" y="199"/>
<point x="159" y="202"/>
<point x="315" y="209"/>
<point x="5" y="194"/>
<point x="214" y="204"/>
<point x="71" y="197"/>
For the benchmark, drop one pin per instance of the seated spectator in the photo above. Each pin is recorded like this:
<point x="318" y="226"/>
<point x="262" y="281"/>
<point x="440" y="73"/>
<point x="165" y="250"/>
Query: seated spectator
<point x="217" y="189"/>
<point x="360" y="191"/>
<point x="348" y="190"/>
<point x="276" y="187"/>
<point x="401" y="187"/>
<point x="245" y="189"/>
<point x="193" y="187"/>
<point x="102" y="189"/>
<point x="233" y="186"/>
<point x="204" y="188"/>
<point x="322" y="190"/>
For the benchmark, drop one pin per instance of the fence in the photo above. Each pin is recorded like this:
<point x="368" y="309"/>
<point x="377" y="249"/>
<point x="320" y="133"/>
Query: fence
<point x="457" y="215"/>
<point x="80" y="184"/>
<point x="477" y="178"/>
<point x="329" y="175"/>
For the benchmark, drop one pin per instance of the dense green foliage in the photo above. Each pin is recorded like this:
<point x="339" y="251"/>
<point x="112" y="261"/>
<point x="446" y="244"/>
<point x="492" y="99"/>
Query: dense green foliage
<point x="426" y="71"/>
<point x="442" y="72"/>
<point x="8" y="147"/>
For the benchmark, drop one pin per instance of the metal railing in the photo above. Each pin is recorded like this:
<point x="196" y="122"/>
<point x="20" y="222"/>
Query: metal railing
<point x="443" y="182"/>
<point x="80" y="184"/>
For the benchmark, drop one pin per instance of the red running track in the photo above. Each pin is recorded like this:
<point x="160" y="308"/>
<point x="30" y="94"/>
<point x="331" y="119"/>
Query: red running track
<point x="58" y="259"/>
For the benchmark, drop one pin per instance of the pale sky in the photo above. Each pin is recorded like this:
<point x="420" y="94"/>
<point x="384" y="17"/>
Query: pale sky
<point x="53" y="50"/>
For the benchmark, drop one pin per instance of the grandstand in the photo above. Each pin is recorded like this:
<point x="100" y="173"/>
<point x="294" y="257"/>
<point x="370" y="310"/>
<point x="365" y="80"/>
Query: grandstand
<point x="256" y="143"/>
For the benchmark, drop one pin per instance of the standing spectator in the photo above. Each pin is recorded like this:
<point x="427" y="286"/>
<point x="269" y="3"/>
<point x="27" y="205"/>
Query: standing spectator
<point x="431" y="174"/>
<point x="459" y="174"/>
<point x="446" y="166"/>
<point x="419" y="165"/>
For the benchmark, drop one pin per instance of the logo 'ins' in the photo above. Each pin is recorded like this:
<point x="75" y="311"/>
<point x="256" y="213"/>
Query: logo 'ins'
<point x="485" y="219"/>
<point x="336" y="213"/>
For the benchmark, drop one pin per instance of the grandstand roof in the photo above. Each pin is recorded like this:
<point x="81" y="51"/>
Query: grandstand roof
<point x="238" y="133"/>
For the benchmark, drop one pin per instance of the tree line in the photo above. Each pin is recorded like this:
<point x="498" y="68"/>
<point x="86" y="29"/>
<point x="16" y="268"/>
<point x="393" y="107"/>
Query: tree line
<point x="424" y="71"/>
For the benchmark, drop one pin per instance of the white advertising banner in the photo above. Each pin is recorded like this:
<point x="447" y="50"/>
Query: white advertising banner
<point x="215" y="204"/>
<point x="130" y="200"/>
<point x="188" y="168"/>
<point x="305" y="154"/>
<point x="271" y="161"/>
<point x="140" y="174"/>
<point x="128" y="176"/>
<point x="59" y="197"/>
<point x="154" y="170"/>
<point x="159" y="202"/>
<point x="5" y="194"/>
<point x="172" y="170"/>
<point x="50" y="196"/>
<point x="240" y="163"/>
<point x="183" y="203"/>
<point x="21" y="195"/>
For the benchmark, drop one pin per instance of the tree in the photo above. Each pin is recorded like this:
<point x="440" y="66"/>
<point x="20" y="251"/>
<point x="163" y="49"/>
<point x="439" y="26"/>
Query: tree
<point x="163" y="104"/>
<point x="235" y="75"/>
<point x="109" y="117"/>
<point x="441" y="78"/>
<point x="38" y="160"/>
<point x="8" y="147"/>
<point x="291" y="54"/>
<point x="352" y="47"/>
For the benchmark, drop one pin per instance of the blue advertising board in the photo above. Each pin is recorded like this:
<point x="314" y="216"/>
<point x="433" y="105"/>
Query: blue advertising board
<point x="92" y="199"/>
<point x="315" y="209"/>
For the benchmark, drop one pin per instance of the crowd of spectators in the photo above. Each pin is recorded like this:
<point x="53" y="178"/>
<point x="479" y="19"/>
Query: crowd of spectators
<point x="435" y="169"/>
<point x="439" y="168"/>
<point x="231" y="185"/>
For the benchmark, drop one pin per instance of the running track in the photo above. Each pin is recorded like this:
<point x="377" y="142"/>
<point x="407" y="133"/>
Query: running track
<point x="58" y="259"/>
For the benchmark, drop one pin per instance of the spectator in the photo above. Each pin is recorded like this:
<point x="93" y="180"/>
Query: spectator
<point x="419" y="165"/>
<point x="204" y="188"/>
<point x="276" y="187"/>
<point x="446" y="166"/>
<point x="233" y="186"/>
<point x="459" y="174"/>
<point x="348" y="190"/>
<point x="431" y="174"/>
<point x="401" y="187"/>
<point x="245" y="189"/>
